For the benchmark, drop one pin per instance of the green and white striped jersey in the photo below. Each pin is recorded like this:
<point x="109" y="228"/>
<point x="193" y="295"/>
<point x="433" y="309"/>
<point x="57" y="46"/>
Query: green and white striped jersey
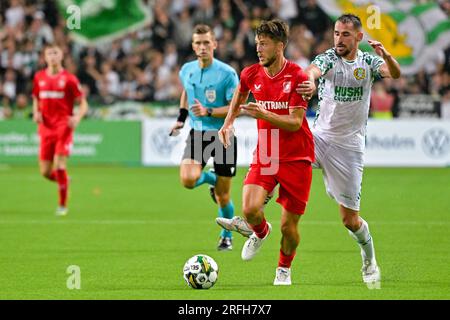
<point x="344" y="97"/>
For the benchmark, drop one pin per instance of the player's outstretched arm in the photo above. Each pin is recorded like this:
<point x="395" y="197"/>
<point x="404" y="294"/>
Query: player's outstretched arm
<point x="227" y="130"/>
<point x="389" y="69"/>
<point x="75" y="120"/>
<point x="183" y="113"/>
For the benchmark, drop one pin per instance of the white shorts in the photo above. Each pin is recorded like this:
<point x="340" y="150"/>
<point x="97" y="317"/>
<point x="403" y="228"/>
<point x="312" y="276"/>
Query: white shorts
<point x="342" y="172"/>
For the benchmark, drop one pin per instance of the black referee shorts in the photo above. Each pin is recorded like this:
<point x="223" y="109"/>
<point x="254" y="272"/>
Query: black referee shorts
<point x="202" y="145"/>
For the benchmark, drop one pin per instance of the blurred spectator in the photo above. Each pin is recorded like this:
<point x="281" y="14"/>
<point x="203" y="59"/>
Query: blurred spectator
<point x="108" y="84"/>
<point x="10" y="57"/>
<point x="20" y="110"/>
<point x="445" y="105"/>
<point x="162" y="28"/>
<point x="89" y="75"/>
<point x="15" y="14"/>
<point x="9" y="88"/>
<point x="170" y="54"/>
<point x="226" y="18"/>
<point x="246" y="38"/>
<point x="381" y="102"/>
<point x="296" y="55"/>
<point x="40" y="32"/>
<point x="315" y="19"/>
<point x="224" y="51"/>
<point x="204" y="13"/>
<point x="28" y="58"/>
<point x="129" y="86"/>
<point x="144" y="91"/>
<point x="183" y="32"/>
<point x="284" y="9"/>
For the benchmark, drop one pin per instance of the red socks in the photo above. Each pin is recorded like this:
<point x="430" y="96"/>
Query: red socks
<point x="284" y="260"/>
<point x="261" y="229"/>
<point x="61" y="178"/>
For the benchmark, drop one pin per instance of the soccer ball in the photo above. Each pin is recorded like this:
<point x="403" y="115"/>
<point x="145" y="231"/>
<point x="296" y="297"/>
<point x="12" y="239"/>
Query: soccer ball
<point x="200" y="272"/>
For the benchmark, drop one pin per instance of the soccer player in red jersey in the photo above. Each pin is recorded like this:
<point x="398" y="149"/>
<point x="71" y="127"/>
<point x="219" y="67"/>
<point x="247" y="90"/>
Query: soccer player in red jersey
<point x="285" y="148"/>
<point x="55" y="91"/>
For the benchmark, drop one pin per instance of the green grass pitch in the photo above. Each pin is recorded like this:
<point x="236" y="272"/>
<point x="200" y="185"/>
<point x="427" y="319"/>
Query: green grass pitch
<point x="130" y="230"/>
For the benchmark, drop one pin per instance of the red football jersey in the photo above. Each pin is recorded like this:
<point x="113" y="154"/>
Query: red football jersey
<point x="56" y="95"/>
<point x="277" y="94"/>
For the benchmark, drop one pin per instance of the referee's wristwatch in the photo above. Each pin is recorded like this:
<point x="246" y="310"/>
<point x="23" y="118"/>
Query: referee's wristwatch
<point x="209" y="112"/>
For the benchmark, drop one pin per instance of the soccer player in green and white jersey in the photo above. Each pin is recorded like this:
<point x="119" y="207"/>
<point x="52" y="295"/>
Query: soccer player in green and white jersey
<point x="346" y="75"/>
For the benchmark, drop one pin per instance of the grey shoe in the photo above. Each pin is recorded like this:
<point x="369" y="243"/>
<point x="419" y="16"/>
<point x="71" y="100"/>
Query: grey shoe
<point x="225" y="243"/>
<point x="237" y="224"/>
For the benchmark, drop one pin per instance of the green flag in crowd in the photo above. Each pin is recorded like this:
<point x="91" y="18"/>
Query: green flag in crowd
<point x="94" y="21"/>
<point x="412" y="32"/>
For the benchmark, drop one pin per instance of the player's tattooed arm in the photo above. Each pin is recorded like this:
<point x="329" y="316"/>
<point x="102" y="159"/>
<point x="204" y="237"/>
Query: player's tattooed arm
<point x="389" y="69"/>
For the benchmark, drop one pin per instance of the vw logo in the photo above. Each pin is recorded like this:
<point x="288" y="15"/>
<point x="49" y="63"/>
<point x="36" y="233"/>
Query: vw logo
<point x="436" y="142"/>
<point x="162" y="143"/>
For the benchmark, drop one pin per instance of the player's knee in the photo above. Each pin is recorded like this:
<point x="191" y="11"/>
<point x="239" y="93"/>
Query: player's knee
<point x="250" y="211"/>
<point x="351" y="223"/>
<point x="46" y="173"/>
<point x="188" y="183"/>
<point x="290" y="232"/>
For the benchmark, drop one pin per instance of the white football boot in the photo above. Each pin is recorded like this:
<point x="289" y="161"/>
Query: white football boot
<point x="237" y="224"/>
<point x="253" y="245"/>
<point x="282" y="277"/>
<point x="61" y="211"/>
<point x="371" y="274"/>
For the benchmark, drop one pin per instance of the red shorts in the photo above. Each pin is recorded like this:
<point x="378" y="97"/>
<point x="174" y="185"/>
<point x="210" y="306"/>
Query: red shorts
<point x="294" y="179"/>
<point x="57" y="142"/>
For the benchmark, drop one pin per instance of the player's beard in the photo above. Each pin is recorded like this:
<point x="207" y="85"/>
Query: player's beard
<point x="343" y="53"/>
<point x="269" y="61"/>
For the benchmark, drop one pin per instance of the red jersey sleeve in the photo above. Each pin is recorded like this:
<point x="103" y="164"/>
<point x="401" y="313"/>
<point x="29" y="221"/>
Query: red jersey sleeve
<point x="35" y="92"/>
<point x="244" y="88"/>
<point x="296" y="100"/>
<point x="74" y="87"/>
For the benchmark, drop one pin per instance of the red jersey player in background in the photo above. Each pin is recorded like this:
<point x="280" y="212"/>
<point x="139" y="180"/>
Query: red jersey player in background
<point x="55" y="91"/>
<point x="285" y="147"/>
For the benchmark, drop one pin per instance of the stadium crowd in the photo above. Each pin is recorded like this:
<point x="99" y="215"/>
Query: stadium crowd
<point x="144" y="65"/>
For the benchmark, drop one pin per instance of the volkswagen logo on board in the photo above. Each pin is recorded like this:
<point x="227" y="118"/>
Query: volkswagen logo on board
<point x="436" y="142"/>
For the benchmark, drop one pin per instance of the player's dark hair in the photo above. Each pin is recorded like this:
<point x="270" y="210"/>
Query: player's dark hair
<point x="203" y="29"/>
<point x="276" y="29"/>
<point x="351" y="18"/>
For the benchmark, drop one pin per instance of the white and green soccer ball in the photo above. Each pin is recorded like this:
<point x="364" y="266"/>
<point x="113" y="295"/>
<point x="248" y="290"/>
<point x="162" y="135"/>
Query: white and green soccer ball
<point x="200" y="272"/>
